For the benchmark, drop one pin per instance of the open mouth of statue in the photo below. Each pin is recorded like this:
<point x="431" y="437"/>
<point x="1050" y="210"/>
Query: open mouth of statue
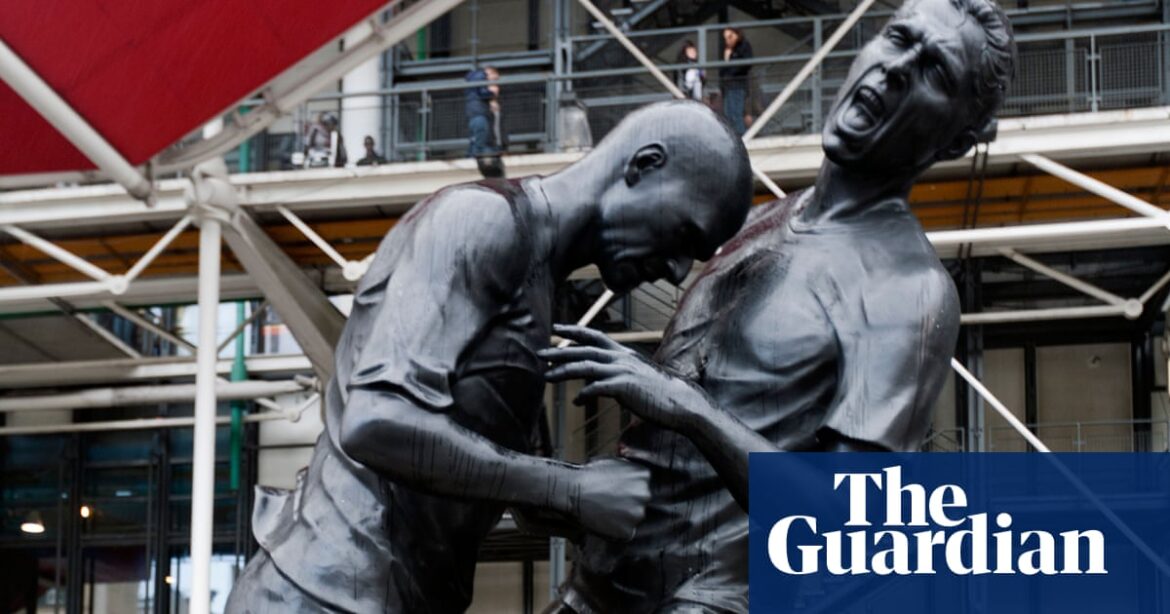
<point x="864" y="112"/>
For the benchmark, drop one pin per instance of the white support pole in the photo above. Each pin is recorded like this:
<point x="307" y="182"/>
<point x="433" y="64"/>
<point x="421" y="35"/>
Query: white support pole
<point x="259" y="311"/>
<point x="807" y="69"/>
<point x="131" y="425"/>
<point x="157" y="249"/>
<point x="1028" y="436"/>
<point x="1043" y="315"/>
<point x="47" y="291"/>
<point x="312" y="235"/>
<point x="621" y="37"/>
<point x="1149" y="294"/>
<point x="142" y="322"/>
<point x="999" y="407"/>
<point x="105" y="334"/>
<point x="1064" y="278"/>
<point x="1097" y="187"/>
<point x="664" y="80"/>
<point x="203" y="461"/>
<point x="60" y="254"/>
<point x="29" y="86"/>
<point x="100" y="398"/>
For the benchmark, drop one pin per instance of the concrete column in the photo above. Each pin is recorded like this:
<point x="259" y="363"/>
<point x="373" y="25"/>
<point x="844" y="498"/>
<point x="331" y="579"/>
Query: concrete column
<point x="361" y="115"/>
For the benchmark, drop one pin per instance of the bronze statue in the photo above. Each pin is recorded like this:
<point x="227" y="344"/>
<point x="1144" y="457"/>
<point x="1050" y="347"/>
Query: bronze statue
<point x="826" y="324"/>
<point x="438" y="386"/>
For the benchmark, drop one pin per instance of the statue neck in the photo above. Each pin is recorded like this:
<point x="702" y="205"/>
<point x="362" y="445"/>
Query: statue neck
<point x="841" y="193"/>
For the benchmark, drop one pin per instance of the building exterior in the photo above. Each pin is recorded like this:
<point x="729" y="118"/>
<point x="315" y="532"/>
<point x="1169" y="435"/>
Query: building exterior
<point x="1053" y="233"/>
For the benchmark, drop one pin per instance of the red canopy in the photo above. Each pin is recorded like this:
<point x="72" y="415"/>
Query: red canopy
<point x="144" y="73"/>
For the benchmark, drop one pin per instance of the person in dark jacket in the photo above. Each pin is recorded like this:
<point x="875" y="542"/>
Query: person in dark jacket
<point x="482" y="107"/>
<point x="372" y="157"/>
<point x="733" y="80"/>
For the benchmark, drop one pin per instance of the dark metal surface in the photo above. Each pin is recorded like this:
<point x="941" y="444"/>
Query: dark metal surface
<point x="432" y="412"/>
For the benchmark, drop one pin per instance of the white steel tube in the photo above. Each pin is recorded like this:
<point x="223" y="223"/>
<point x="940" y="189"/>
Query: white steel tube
<point x="29" y="86"/>
<point x="128" y="425"/>
<point x="1042" y="315"/>
<point x="203" y="457"/>
<point x="96" y="398"/>
<point x="24" y="293"/>
<point x="631" y="47"/>
<point x="1068" y="280"/>
<point x="157" y="249"/>
<point x="594" y="309"/>
<point x="807" y="69"/>
<point x="312" y="235"/>
<point x="104" y="333"/>
<point x="1149" y="293"/>
<point x="1098" y="187"/>
<point x="1028" y="436"/>
<point x="999" y="407"/>
<point x="240" y="329"/>
<point x="60" y="254"/>
<point x="142" y="322"/>
<point x="1021" y="236"/>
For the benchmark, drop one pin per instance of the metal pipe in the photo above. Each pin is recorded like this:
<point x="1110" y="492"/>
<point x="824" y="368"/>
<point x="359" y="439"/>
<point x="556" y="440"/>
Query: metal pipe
<point x="1064" y="278"/>
<point x="1042" y="315"/>
<point x="142" y="322"/>
<point x="157" y="249"/>
<point x="259" y="311"/>
<point x="30" y="87"/>
<point x="1021" y="235"/>
<point x="631" y="47"/>
<point x="312" y="235"/>
<point x="1098" y="187"/>
<point x="807" y="69"/>
<point x="1031" y="438"/>
<point x="46" y="291"/>
<point x="1149" y="293"/>
<point x="62" y="255"/>
<point x="594" y="309"/>
<point x="411" y="19"/>
<point x="999" y="407"/>
<point x="203" y="461"/>
<point x="109" y="337"/>
<point x="127" y="425"/>
<point x="97" y="398"/>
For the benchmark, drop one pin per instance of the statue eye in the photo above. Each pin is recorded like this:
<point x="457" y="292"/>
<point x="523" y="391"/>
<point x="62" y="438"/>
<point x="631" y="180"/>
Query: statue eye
<point x="939" y="76"/>
<point x="897" y="36"/>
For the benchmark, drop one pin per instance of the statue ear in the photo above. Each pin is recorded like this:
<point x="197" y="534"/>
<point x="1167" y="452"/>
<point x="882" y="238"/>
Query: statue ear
<point x="960" y="145"/>
<point x="647" y="158"/>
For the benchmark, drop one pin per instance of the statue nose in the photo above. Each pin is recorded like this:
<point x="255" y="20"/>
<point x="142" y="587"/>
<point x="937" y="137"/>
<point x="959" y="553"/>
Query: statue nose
<point x="898" y="69"/>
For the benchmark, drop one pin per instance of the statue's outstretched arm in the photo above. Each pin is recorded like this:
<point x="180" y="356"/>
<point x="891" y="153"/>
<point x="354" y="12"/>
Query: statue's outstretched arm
<point x="614" y="371"/>
<point x="429" y="451"/>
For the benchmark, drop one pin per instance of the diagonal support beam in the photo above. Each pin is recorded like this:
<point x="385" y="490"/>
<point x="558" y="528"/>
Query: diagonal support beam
<point x="1098" y="187"/>
<point x="29" y="86"/>
<point x="140" y="321"/>
<point x="62" y="255"/>
<point x="303" y="307"/>
<point x="663" y="79"/>
<point x="808" y="68"/>
<point x="1064" y="278"/>
<point x="385" y="36"/>
<point x="106" y="335"/>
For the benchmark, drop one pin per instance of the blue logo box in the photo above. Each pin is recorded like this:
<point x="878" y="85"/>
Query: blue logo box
<point x="960" y="533"/>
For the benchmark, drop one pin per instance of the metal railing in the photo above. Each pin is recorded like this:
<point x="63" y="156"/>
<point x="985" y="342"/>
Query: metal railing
<point x="1086" y="436"/>
<point x="1069" y="71"/>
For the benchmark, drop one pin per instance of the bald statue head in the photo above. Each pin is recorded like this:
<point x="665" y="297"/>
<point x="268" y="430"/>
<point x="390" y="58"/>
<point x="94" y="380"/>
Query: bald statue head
<point x="677" y="185"/>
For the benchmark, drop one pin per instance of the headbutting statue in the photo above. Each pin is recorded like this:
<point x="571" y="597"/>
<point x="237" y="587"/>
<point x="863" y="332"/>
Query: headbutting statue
<point x="827" y="323"/>
<point x="438" y="385"/>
